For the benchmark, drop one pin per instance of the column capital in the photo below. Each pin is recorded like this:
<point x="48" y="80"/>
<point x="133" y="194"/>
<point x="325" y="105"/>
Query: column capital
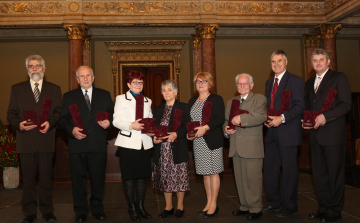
<point x="312" y="40"/>
<point x="328" y="31"/>
<point x="207" y="31"/>
<point x="75" y="31"/>
<point x="87" y="39"/>
<point x="196" y="40"/>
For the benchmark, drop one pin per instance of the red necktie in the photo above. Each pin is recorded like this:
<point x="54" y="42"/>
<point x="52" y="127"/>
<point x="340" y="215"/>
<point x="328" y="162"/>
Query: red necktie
<point x="273" y="93"/>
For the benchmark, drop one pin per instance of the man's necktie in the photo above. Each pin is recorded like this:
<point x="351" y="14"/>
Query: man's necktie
<point x="242" y="100"/>
<point x="36" y="92"/>
<point x="318" y="84"/>
<point x="87" y="99"/>
<point x="273" y="94"/>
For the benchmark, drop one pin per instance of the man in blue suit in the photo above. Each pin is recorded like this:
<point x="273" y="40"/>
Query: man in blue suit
<point x="283" y="137"/>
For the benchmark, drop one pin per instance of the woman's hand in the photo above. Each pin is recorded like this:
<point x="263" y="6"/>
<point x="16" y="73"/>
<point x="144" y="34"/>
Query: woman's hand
<point x="157" y="141"/>
<point x="190" y="138"/>
<point x="136" y="125"/>
<point x="172" y="136"/>
<point x="201" y="130"/>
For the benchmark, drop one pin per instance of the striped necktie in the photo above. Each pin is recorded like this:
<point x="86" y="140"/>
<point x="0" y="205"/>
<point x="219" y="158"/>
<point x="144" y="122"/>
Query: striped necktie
<point x="318" y="84"/>
<point x="87" y="99"/>
<point x="36" y="92"/>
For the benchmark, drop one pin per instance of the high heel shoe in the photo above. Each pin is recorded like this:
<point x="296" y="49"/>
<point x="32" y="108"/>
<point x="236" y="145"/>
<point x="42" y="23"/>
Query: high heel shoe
<point x="201" y="213"/>
<point x="213" y="214"/>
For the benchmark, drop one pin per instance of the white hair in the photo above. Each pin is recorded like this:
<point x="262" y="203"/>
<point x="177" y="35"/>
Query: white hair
<point x="251" y="80"/>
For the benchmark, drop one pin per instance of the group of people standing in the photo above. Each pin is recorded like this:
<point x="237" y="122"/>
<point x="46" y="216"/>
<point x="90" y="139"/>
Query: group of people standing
<point x="87" y="144"/>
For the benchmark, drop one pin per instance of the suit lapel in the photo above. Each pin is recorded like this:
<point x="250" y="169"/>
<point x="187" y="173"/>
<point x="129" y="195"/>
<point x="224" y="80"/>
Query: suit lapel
<point x="247" y="101"/>
<point x="94" y="99"/>
<point x="44" y="91"/>
<point x="282" y="86"/>
<point x="29" y="94"/>
<point x="82" y="103"/>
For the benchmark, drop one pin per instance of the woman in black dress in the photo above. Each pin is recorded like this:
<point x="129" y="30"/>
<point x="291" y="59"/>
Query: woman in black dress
<point x="171" y="168"/>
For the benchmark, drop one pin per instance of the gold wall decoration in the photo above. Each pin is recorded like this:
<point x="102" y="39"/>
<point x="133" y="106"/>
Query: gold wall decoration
<point x="328" y="31"/>
<point x="32" y="7"/>
<point x="140" y="7"/>
<point x="87" y="39"/>
<point x="196" y="40"/>
<point x="208" y="7"/>
<point x="75" y="31"/>
<point x="207" y="31"/>
<point x="312" y="40"/>
<point x="74" y="7"/>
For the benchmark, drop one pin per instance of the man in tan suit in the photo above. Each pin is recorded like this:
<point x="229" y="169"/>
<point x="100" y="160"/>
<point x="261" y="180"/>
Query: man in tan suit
<point x="246" y="146"/>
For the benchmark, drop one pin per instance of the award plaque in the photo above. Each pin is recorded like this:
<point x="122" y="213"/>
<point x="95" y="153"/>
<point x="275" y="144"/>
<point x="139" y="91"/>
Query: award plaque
<point x="272" y="112"/>
<point x="285" y="100"/>
<point x="139" y="107"/>
<point x="309" y="118"/>
<point x="161" y="132"/>
<point x="101" y="116"/>
<point x="329" y="100"/>
<point x="75" y="114"/>
<point x="190" y="126"/>
<point x="234" y="111"/>
<point x="44" y="114"/>
<point x="176" y="122"/>
<point x="206" y="115"/>
<point x="30" y="117"/>
<point x="149" y="125"/>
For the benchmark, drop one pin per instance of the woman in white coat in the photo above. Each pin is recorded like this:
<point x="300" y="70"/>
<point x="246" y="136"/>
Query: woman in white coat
<point x="134" y="147"/>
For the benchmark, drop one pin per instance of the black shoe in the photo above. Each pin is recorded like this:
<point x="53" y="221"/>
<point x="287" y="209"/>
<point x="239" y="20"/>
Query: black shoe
<point x="80" y="218"/>
<point x="317" y="215"/>
<point x="330" y="218"/>
<point x="134" y="213"/>
<point x="29" y="218"/>
<point x="271" y="209"/>
<point x="253" y="216"/>
<point x="201" y="213"/>
<point x="142" y="210"/>
<point x="286" y="213"/>
<point x="49" y="217"/>
<point x="100" y="216"/>
<point x="179" y="213"/>
<point x="239" y="212"/>
<point x="213" y="214"/>
<point x="166" y="213"/>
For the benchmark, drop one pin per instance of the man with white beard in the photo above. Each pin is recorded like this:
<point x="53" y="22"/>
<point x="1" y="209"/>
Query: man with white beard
<point x="35" y="142"/>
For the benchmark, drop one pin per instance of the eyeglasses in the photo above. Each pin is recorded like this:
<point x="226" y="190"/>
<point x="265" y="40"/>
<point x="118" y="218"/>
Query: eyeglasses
<point x="138" y="82"/>
<point x="37" y="66"/>
<point x="201" y="82"/>
<point x="242" y="84"/>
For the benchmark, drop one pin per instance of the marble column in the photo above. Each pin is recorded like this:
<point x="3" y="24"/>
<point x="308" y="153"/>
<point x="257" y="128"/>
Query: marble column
<point x="197" y="53"/>
<point x="207" y="34"/>
<point x="312" y="42"/>
<point x="328" y="35"/>
<point x="75" y="34"/>
<point x="86" y="51"/>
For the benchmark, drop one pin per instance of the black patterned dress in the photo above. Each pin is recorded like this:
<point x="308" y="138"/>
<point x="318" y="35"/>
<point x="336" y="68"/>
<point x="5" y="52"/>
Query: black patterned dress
<point x="170" y="177"/>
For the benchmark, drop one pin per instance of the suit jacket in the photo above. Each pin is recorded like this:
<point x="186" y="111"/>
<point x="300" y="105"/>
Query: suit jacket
<point x="179" y="148"/>
<point x="95" y="140"/>
<point x="215" y="139"/>
<point x="334" y="131"/>
<point x="248" y="143"/>
<point x="22" y="99"/>
<point x="290" y="132"/>
<point x="124" y="115"/>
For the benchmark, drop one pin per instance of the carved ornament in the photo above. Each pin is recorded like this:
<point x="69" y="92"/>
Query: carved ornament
<point x="16" y="7"/>
<point x="207" y="31"/>
<point x="87" y="39"/>
<point x="328" y="31"/>
<point x="196" y="40"/>
<point x="75" y="31"/>
<point x="312" y="40"/>
<point x="74" y="7"/>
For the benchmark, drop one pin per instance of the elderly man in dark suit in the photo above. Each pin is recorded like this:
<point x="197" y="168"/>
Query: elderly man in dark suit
<point x="246" y="146"/>
<point x="87" y="150"/>
<point x="283" y="137"/>
<point x="36" y="147"/>
<point x="328" y="137"/>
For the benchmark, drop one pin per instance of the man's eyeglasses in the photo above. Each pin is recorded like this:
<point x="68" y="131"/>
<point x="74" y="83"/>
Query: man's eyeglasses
<point x="242" y="84"/>
<point x="37" y="66"/>
<point x="138" y="82"/>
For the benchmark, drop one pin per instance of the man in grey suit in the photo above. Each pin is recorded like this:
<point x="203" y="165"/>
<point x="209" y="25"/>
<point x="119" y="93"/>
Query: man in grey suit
<point x="246" y="146"/>
<point x="36" y="147"/>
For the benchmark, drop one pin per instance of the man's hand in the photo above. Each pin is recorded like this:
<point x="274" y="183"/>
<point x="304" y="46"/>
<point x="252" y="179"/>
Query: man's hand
<point x="104" y="124"/>
<point x="276" y="121"/>
<point x="306" y="127"/>
<point x="229" y="131"/>
<point x="319" y="121"/>
<point x="236" y="120"/>
<point x="26" y="128"/>
<point x="47" y="126"/>
<point x="77" y="134"/>
<point x="136" y="125"/>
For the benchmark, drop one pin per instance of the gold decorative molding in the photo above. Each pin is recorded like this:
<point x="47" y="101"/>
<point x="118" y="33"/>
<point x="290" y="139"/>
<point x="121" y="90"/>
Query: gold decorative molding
<point x="87" y="39"/>
<point x="328" y="31"/>
<point x="16" y="7"/>
<point x="207" y="31"/>
<point x="74" y="7"/>
<point x="208" y="6"/>
<point x="312" y="40"/>
<point x="75" y="31"/>
<point x="196" y="40"/>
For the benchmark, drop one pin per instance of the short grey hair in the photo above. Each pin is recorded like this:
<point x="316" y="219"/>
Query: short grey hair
<point x="34" y="57"/>
<point x="170" y="83"/>
<point x="320" y="51"/>
<point x="251" y="80"/>
<point x="77" y="71"/>
<point x="279" y="52"/>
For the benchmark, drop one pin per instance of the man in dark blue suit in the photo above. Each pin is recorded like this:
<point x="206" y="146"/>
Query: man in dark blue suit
<point x="283" y="137"/>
